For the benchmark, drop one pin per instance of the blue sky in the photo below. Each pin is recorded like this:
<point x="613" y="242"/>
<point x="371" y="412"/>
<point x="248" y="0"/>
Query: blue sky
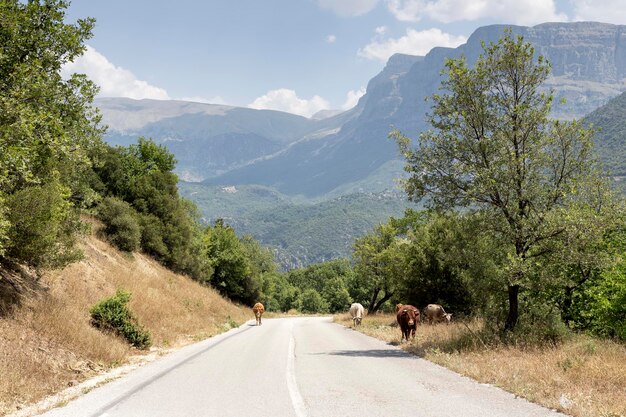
<point x="299" y="56"/>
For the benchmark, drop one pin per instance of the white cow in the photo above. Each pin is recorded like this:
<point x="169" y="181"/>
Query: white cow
<point x="356" y="311"/>
<point x="436" y="313"/>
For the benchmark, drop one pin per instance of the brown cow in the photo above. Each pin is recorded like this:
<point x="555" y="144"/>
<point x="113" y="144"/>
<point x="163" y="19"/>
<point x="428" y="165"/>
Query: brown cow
<point x="398" y="307"/>
<point x="258" y="310"/>
<point x="436" y="313"/>
<point x="408" y="317"/>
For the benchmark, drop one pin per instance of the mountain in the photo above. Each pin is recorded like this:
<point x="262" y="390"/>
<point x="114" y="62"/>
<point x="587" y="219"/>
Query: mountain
<point x="272" y="174"/>
<point x="207" y="139"/>
<point x="588" y="68"/>
<point x="610" y="137"/>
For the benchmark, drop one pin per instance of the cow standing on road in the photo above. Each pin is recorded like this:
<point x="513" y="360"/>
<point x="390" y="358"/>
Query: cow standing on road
<point x="436" y="313"/>
<point x="408" y="317"/>
<point x="258" y="310"/>
<point x="356" y="311"/>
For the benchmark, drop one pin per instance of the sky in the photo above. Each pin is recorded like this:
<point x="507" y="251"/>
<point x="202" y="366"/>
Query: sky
<point x="299" y="56"/>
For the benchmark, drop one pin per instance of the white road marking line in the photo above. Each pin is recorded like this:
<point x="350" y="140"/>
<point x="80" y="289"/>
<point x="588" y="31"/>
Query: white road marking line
<point x="296" y="399"/>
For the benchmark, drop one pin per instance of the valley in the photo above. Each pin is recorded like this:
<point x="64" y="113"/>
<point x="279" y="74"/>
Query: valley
<point x="288" y="167"/>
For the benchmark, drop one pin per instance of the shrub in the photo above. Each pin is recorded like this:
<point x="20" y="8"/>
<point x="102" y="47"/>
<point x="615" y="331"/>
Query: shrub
<point x="120" y="224"/>
<point x="604" y="308"/>
<point x="112" y="314"/>
<point x="311" y="301"/>
<point x="43" y="226"/>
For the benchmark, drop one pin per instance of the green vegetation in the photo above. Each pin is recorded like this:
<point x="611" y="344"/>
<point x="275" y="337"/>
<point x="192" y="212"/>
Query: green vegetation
<point x="54" y="165"/>
<point x="47" y="131"/>
<point x="610" y="139"/>
<point x="537" y="246"/>
<point x="494" y="150"/>
<point x="121" y="225"/>
<point x="112" y="314"/>
<point x="299" y="231"/>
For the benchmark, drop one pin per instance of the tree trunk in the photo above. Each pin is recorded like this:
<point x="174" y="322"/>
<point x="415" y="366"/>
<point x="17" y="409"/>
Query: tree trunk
<point x="511" y="320"/>
<point x="370" y="308"/>
<point x="380" y="302"/>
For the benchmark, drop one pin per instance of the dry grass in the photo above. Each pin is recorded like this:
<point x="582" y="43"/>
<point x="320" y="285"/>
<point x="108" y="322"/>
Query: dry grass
<point x="48" y="344"/>
<point x="582" y="377"/>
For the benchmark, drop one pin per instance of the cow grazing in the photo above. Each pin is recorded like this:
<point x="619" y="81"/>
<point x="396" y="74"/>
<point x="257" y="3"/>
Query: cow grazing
<point x="258" y="310"/>
<point x="408" y="317"/>
<point x="356" y="311"/>
<point x="436" y="313"/>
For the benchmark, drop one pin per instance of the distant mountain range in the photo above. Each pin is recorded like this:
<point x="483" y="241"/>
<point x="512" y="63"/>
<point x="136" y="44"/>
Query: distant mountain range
<point x="312" y="157"/>
<point x="330" y="155"/>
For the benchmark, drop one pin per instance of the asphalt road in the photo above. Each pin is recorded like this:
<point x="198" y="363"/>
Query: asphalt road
<point x="295" y="367"/>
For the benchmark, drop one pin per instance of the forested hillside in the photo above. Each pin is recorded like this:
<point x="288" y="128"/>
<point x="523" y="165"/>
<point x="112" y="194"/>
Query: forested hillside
<point x="299" y="232"/>
<point x="610" y="139"/>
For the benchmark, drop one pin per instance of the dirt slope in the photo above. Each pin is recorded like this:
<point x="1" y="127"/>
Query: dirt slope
<point x="47" y="344"/>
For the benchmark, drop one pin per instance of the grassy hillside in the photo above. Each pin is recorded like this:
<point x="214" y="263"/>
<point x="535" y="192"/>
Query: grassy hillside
<point x="47" y="343"/>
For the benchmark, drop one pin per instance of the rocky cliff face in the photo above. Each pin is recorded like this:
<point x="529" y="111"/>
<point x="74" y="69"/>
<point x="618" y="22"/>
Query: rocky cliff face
<point x="588" y="68"/>
<point x="315" y="157"/>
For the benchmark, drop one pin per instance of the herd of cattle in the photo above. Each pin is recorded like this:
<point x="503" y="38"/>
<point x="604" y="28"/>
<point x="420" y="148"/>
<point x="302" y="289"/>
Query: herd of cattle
<point x="407" y="316"/>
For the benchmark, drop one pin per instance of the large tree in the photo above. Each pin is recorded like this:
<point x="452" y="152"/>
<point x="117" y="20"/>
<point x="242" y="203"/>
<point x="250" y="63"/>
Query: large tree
<point x="493" y="148"/>
<point x="47" y="129"/>
<point x="379" y="264"/>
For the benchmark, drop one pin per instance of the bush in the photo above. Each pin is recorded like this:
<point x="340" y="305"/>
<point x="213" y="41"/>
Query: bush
<point x="113" y="315"/>
<point x="43" y="226"/>
<point x="311" y="301"/>
<point x="603" y="305"/>
<point x="120" y="224"/>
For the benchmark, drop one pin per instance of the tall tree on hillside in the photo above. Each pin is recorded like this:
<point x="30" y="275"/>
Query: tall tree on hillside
<point x="493" y="148"/>
<point x="47" y="126"/>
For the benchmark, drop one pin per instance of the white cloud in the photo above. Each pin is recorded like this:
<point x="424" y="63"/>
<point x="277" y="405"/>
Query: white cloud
<point x="113" y="81"/>
<point x="523" y="12"/>
<point x="381" y="30"/>
<point x="288" y="101"/>
<point x="348" y="8"/>
<point x="413" y="43"/>
<point x="609" y="11"/>
<point x="331" y="39"/>
<point x="352" y="98"/>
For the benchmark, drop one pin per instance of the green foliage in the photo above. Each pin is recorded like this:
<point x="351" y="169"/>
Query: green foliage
<point x="5" y="224"/>
<point x="43" y="227"/>
<point x="336" y="295"/>
<point x="300" y="231"/>
<point x="380" y="264"/>
<point x="120" y="224"/>
<point x="328" y="279"/>
<point x="112" y="314"/>
<point x="610" y="140"/>
<point x="494" y="149"/>
<point x="310" y="301"/>
<point x="47" y="131"/>
<point x="231" y="267"/>
<point x="600" y="305"/>
<point x="46" y="123"/>
<point x="437" y="253"/>
<point x="169" y="228"/>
